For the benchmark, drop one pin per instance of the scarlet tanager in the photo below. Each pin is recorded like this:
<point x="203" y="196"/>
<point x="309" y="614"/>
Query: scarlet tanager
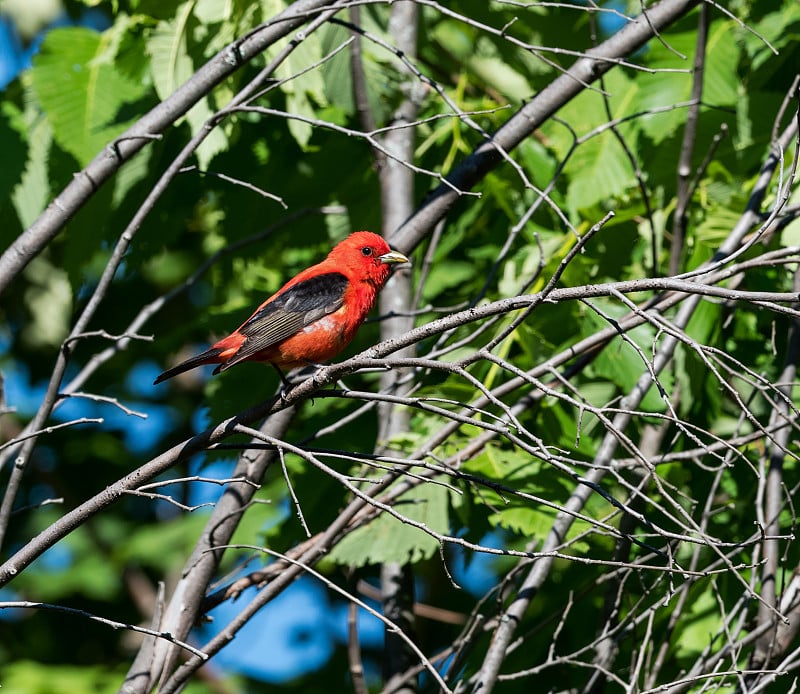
<point x="313" y="317"/>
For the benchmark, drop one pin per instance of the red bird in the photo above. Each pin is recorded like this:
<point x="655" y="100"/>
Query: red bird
<point x="313" y="317"/>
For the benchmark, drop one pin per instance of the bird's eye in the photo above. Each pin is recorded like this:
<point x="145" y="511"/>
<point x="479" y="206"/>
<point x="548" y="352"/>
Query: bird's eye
<point x="366" y="251"/>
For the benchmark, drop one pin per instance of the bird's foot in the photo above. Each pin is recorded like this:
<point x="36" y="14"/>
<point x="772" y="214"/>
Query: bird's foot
<point x="286" y="384"/>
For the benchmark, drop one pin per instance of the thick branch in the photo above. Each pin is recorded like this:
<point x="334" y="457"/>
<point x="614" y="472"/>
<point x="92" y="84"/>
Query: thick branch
<point x="184" y="609"/>
<point x="397" y="204"/>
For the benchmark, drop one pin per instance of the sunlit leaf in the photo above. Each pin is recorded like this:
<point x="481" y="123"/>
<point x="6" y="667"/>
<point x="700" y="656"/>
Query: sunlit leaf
<point x="172" y="66"/>
<point x="81" y="93"/>
<point x="388" y="539"/>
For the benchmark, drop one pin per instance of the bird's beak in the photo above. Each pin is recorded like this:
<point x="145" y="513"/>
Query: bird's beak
<point x="393" y="258"/>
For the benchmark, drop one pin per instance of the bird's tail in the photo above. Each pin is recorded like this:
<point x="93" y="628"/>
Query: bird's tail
<point x="210" y="356"/>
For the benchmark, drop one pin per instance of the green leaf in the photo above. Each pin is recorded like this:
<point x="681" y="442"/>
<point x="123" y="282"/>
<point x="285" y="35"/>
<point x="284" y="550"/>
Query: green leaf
<point x="212" y="11"/>
<point x="157" y="545"/>
<point x="30" y="677"/>
<point x="49" y="300"/>
<point x="529" y="521"/>
<point x="458" y="37"/>
<point x="600" y="171"/>
<point x="172" y="66"/>
<point x="14" y="149"/>
<point x="598" y="168"/>
<point x="32" y="194"/>
<point x="666" y="87"/>
<point x="336" y="73"/>
<point x="80" y="91"/>
<point x="701" y="626"/>
<point x="717" y="225"/>
<point x="499" y="74"/>
<point x="705" y="321"/>
<point x="387" y="539"/>
<point x="444" y="276"/>
<point x="167" y="46"/>
<point x="778" y="30"/>
<point x="134" y="171"/>
<point x="504" y="465"/>
<point x="303" y="87"/>
<point x="721" y="82"/>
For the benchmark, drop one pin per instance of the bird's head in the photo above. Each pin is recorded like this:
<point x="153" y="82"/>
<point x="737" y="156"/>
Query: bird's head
<point x="367" y="256"/>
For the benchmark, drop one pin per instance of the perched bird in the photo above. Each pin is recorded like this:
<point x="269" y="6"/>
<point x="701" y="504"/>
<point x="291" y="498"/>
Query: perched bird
<point x="313" y="317"/>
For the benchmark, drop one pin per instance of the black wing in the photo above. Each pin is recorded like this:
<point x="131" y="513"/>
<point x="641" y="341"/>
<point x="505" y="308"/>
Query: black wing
<point x="289" y="313"/>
